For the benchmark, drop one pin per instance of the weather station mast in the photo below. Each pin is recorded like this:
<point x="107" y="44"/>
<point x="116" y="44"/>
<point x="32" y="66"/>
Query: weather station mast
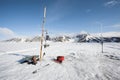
<point x="101" y="38"/>
<point x="42" y="35"/>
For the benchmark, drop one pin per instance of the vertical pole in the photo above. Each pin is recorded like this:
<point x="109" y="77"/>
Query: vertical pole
<point x="42" y="36"/>
<point x="45" y="37"/>
<point x="101" y="40"/>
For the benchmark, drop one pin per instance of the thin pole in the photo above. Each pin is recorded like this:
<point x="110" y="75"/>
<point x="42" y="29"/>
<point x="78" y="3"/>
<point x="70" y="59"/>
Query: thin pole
<point x="42" y="36"/>
<point x="101" y="39"/>
<point x="46" y="37"/>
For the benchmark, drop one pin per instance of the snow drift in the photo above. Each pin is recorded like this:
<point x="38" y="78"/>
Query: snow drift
<point x="83" y="61"/>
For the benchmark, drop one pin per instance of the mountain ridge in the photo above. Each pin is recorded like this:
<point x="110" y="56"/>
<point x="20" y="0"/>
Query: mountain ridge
<point x="81" y="37"/>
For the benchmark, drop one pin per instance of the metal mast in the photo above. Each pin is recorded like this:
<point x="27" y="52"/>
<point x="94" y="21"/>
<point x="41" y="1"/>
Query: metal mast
<point x="101" y="40"/>
<point x="42" y="35"/>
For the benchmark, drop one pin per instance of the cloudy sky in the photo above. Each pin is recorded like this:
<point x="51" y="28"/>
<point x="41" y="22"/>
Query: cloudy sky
<point x="24" y="17"/>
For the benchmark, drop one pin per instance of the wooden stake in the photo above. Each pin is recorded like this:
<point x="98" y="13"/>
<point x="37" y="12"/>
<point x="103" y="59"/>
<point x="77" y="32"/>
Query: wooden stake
<point x="42" y="36"/>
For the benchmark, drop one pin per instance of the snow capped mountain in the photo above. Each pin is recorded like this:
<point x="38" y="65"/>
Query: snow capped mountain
<point x="98" y="37"/>
<point x="82" y="37"/>
<point x="18" y="39"/>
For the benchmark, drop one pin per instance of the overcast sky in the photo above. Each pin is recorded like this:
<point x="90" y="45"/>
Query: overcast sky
<point x="24" y="17"/>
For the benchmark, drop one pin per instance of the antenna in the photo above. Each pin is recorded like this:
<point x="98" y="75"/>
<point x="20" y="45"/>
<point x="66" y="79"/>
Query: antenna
<point x="45" y="12"/>
<point x="42" y="36"/>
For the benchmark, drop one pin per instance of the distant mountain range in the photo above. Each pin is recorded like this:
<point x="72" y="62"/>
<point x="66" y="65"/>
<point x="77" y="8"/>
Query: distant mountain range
<point x="19" y="39"/>
<point x="82" y="37"/>
<point x="98" y="37"/>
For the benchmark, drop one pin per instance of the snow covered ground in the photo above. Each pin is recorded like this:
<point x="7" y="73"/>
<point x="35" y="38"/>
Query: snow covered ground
<point x="83" y="61"/>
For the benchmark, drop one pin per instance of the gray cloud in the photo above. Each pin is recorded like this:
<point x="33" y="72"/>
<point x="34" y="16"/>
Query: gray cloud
<point x="116" y="26"/>
<point x="88" y="10"/>
<point x="111" y="3"/>
<point x="6" y="33"/>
